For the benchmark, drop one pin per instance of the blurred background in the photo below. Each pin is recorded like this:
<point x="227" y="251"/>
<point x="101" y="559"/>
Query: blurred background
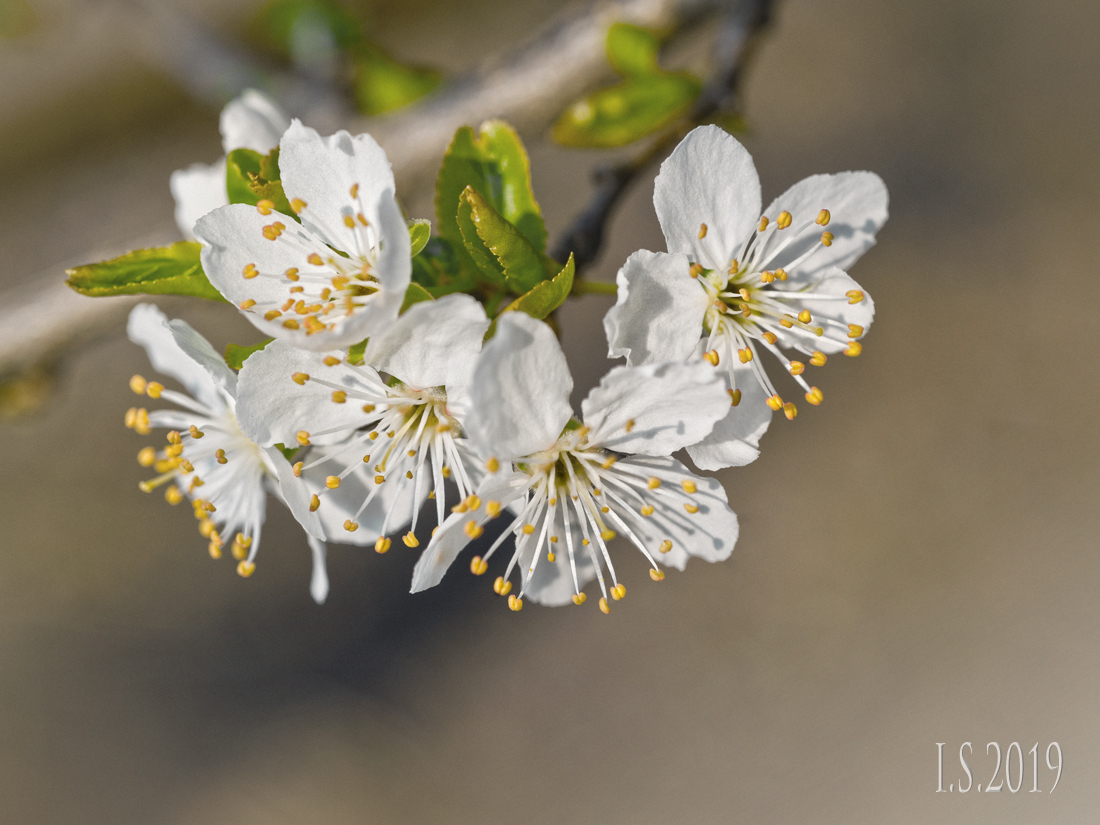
<point x="918" y="560"/>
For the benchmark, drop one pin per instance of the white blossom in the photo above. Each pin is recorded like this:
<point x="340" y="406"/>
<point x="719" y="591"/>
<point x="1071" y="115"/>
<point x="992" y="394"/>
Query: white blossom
<point x="337" y="277"/>
<point x="251" y="120"/>
<point x="207" y="458"/>
<point x="577" y="484"/>
<point x="736" y="280"/>
<point x="373" y="449"/>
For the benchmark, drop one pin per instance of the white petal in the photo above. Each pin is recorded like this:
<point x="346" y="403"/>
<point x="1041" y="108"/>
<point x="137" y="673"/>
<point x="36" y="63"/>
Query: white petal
<point x="735" y="439"/>
<point x="659" y="312"/>
<point x="551" y="584"/>
<point x="322" y="171"/>
<point x="708" y="534"/>
<point x="198" y="349"/>
<point x="450" y="539"/>
<point x="835" y="283"/>
<point x="198" y="189"/>
<point x="520" y="392"/>
<point x="272" y="408"/>
<point x="857" y="203"/>
<point x="318" y="582"/>
<point x="656" y="409"/>
<point x="708" y="179"/>
<point x="420" y="345"/>
<point x="149" y="328"/>
<point x="253" y="121"/>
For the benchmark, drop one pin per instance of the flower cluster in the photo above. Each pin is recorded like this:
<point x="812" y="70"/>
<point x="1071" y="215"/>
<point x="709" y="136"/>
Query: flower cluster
<point x="369" y="401"/>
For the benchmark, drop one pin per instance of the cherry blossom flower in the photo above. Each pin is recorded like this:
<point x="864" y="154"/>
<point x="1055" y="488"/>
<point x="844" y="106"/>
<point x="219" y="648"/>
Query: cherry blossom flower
<point x="373" y="449"/>
<point x="207" y="458"/>
<point x="338" y="276"/>
<point x="250" y="121"/>
<point x="578" y="484"/>
<point x="736" y="280"/>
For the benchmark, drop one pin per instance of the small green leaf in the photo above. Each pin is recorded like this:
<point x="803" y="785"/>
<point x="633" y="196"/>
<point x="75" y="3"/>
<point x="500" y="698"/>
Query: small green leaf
<point x="357" y="351"/>
<point x="168" y="270"/>
<point x="420" y="231"/>
<point x="288" y="452"/>
<point x="414" y="295"/>
<point x="496" y="165"/>
<point x="544" y="298"/>
<point x="236" y="355"/>
<point x="632" y="50"/>
<point x="382" y="84"/>
<point x="486" y="264"/>
<point x="620" y="114"/>
<point x="251" y="177"/>
<point x="520" y="264"/>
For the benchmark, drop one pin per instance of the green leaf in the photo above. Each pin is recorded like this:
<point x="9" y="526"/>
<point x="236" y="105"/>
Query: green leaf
<point x="251" y="177"/>
<point x="357" y="351"/>
<point x="382" y="84"/>
<point x="522" y="267"/>
<point x="236" y="355"/>
<point x="485" y="263"/>
<point x="632" y="50"/>
<point x="496" y="165"/>
<point x="288" y="452"/>
<point x="543" y="299"/>
<point x="168" y="270"/>
<point x="414" y="295"/>
<point x="420" y="231"/>
<point x="620" y="114"/>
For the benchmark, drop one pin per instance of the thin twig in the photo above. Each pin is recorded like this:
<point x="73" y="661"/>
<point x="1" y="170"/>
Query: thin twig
<point x="584" y="237"/>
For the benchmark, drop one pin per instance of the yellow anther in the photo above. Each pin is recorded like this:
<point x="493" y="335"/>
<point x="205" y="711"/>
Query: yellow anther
<point x="214" y="549"/>
<point x="653" y="483"/>
<point x="607" y="462"/>
<point x="528" y="529"/>
<point x="354" y="191"/>
<point x="797" y="368"/>
<point x="629" y="425"/>
<point x="827" y="238"/>
<point x="814" y="396"/>
<point x="790" y="410"/>
<point x="391" y="433"/>
<point x="238" y="551"/>
<point x="775" y="402"/>
<point x="786" y="322"/>
<point x="297" y="204"/>
<point x="206" y="526"/>
<point x="607" y="535"/>
<point x="605" y="509"/>
<point x="349" y="221"/>
<point x="382" y="544"/>
<point x="666" y="545"/>
<point x="195" y="431"/>
<point x="243" y="540"/>
<point x="272" y="314"/>
<point x="553" y="539"/>
<point x="461" y="507"/>
<point x="137" y="384"/>
<point x="297" y="468"/>
<point x="332" y="361"/>
<point x="854" y="330"/>
<point x="493" y="509"/>
<point x="745" y="294"/>
<point x="173" y="495"/>
<point x="332" y="482"/>
<point x="246" y="568"/>
<point x="291" y="274"/>
<point x="579" y="598"/>
<point x="247" y="303"/>
<point x="478" y="566"/>
<point x="781" y="274"/>
<point x="733" y="267"/>
<point x="515" y="603"/>
<point x="854" y="348"/>
<point x="186" y="466"/>
<point x="767" y="277"/>
<point x="689" y="486"/>
<point x="374" y="435"/>
<point x="339" y="397"/>
<point x="473" y="529"/>
<point x="198" y="482"/>
<point x="173" y="437"/>
<point x="314" y="503"/>
<point x="804" y="316"/>
<point x="473" y="502"/>
<point x="350" y="526"/>
<point x="647" y="510"/>
<point x="265" y="207"/>
<point x="492" y="465"/>
<point x="585" y="542"/>
<point x="249" y="272"/>
<point x="770" y="337"/>
<point x="818" y="359"/>
<point x="657" y="575"/>
<point x="315" y="259"/>
<point x="219" y="456"/>
<point x="696" y="270"/>
<point x="784" y="220"/>
<point x="712" y="356"/>
<point x="823" y="218"/>
<point x="618" y="592"/>
<point x="379" y="479"/>
<point x="603" y="606"/>
<point x="745" y="354"/>
<point x="290" y="324"/>
<point x="408" y="474"/>
<point x="273" y="230"/>
<point x="147" y="456"/>
<point x="735" y="397"/>
<point x="692" y="508"/>
<point x="763" y="224"/>
<point x="702" y="231"/>
<point x="502" y="587"/>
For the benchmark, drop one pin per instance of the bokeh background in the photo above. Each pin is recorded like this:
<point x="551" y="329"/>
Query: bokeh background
<point x="918" y="560"/>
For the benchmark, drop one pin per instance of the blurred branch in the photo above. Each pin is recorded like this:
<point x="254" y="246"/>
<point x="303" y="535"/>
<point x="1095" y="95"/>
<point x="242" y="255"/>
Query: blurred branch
<point x="733" y="48"/>
<point x="528" y="86"/>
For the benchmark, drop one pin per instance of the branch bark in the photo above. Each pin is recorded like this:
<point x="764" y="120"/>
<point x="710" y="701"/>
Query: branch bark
<point x="528" y="86"/>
